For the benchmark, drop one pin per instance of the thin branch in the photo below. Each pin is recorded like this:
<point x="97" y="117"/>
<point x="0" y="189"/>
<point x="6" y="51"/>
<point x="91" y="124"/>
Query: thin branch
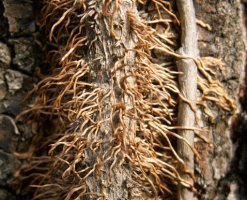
<point x="188" y="87"/>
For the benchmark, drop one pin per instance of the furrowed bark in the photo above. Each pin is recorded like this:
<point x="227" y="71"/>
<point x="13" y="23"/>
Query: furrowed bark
<point x="188" y="87"/>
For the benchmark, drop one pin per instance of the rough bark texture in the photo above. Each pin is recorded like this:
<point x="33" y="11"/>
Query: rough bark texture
<point x="121" y="180"/>
<point x="220" y="173"/>
<point x="19" y="56"/>
<point x="226" y="41"/>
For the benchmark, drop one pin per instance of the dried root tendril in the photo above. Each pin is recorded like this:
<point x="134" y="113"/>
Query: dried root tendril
<point x="115" y="111"/>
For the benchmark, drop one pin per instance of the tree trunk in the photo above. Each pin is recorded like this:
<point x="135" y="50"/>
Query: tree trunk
<point x="220" y="170"/>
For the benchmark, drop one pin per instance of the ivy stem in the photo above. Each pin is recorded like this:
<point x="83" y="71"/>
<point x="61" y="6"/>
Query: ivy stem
<point x="188" y="87"/>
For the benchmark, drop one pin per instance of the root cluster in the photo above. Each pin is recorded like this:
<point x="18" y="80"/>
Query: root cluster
<point x="112" y="99"/>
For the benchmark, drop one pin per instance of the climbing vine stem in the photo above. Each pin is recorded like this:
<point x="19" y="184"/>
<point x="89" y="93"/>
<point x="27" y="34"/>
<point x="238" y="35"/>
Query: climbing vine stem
<point x="188" y="87"/>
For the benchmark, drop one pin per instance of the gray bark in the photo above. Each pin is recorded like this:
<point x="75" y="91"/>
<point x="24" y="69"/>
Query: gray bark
<point x="120" y="182"/>
<point x="215" y="171"/>
<point x="19" y="56"/>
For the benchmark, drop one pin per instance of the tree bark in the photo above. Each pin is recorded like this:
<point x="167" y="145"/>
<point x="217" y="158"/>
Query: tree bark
<point x="220" y="173"/>
<point x="115" y="181"/>
<point x="214" y="171"/>
<point x="19" y="57"/>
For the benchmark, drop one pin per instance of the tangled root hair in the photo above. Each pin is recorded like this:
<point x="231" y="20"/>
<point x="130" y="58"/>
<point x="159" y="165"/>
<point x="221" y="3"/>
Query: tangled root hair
<point x="112" y="99"/>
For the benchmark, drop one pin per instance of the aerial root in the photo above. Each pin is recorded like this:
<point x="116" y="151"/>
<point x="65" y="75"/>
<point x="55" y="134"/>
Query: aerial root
<point x="94" y="119"/>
